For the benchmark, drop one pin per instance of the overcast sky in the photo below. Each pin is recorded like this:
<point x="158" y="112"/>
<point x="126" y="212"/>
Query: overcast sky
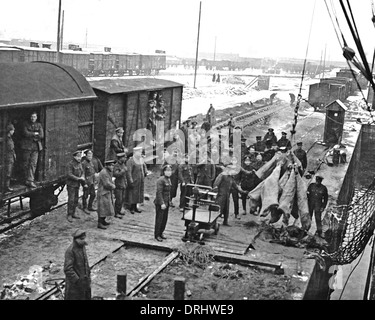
<point x="252" y="28"/>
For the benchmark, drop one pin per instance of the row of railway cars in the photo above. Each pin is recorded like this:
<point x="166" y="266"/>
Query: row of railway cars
<point x="90" y="64"/>
<point x="340" y="87"/>
<point x="75" y="114"/>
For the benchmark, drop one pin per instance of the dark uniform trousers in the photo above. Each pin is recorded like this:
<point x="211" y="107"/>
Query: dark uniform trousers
<point x="120" y="196"/>
<point x="73" y="194"/>
<point x="89" y="193"/>
<point x="31" y="146"/>
<point x="163" y="189"/>
<point x="317" y="200"/>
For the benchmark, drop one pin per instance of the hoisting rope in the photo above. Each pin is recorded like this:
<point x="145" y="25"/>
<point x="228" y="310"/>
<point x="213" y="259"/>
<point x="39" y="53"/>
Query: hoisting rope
<point x="349" y="53"/>
<point x="299" y="97"/>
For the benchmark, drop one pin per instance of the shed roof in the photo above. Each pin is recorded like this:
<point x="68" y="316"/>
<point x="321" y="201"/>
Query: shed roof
<point x="40" y="83"/>
<point x="113" y="86"/>
<point x="335" y="104"/>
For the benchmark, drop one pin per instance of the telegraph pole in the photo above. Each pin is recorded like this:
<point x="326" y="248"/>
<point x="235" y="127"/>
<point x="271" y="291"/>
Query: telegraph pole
<point x="196" y="54"/>
<point x="58" y="58"/>
<point x="62" y="31"/>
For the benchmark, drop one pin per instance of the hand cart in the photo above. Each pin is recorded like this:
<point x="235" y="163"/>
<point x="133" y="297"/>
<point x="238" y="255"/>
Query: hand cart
<point x="200" y="213"/>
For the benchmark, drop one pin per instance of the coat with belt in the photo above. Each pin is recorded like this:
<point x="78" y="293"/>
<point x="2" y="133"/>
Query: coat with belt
<point x="77" y="273"/>
<point x="163" y="190"/>
<point x="105" y="194"/>
<point x="30" y="141"/>
<point x="136" y="183"/>
<point x="120" y="172"/>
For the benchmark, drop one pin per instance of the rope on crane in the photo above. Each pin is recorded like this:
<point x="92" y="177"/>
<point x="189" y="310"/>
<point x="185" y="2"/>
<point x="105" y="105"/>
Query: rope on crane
<point x="299" y="97"/>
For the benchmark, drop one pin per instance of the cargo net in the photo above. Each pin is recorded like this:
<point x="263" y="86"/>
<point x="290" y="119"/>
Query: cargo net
<point x="352" y="226"/>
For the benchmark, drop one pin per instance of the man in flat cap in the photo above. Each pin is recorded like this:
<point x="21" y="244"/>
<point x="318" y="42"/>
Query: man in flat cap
<point x="10" y="157"/>
<point x="284" y="141"/>
<point x="75" y="178"/>
<point x="302" y="156"/>
<point x="116" y="145"/>
<point x="270" y="135"/>
<point x="31" y="146"/>
<point x="317" y="195"/>
<point x="120" y="172"/>
<point x="105" y="194"/>
<point x="137" y="172"/>
<point x="91" y="168"/>
<point x="76" y="269"/>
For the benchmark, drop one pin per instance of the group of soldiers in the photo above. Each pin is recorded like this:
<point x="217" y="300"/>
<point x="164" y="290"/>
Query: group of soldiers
<point x="226" y="174"/>
<point x="129" y="171"/>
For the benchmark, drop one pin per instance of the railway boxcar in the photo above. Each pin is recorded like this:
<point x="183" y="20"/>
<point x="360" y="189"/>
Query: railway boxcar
<point x="124" y="103"/>
<point x="323" y="93"/>
<point x="9" y="54"/>
<point x="64" y="102"/>
<point x="76" y="59"/>
<point x="31" y="54"/>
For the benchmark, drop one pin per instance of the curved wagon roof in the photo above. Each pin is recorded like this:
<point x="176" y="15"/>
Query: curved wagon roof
<point x="41" y="83"/>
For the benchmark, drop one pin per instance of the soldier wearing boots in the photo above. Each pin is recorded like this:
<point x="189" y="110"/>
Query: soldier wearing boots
<point x="317" y="195"/>
<point x="105" y="196"/>
<point x="120" y="172"/>
<point x="91" y="167"/>
<point x="10" y="157"/>
<point x="74" y="180"/>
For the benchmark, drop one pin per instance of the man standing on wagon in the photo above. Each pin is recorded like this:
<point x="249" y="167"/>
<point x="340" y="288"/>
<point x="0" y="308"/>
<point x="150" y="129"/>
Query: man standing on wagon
<point x="116" y="145"/>
<point x="10" y="157"/>
<point x="31" y="146"/>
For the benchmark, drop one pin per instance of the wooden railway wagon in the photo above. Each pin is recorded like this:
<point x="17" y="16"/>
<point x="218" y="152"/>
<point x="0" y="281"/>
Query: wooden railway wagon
<point x="323" y="93"/>
<point x="347" y="73"/>
<point x="9" y="54"/>
<point x="77" y="59"/>
<point x="124" y="103"/>
<point x="347" y="82"/>
<point x="64" y="102"/>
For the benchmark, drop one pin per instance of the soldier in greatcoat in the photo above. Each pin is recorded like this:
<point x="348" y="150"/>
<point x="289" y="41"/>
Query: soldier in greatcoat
<point x="162" y="200"/>
<point x="259" y="145"/>
<point x="76" y="269"/>
<point x="10" y="157"/>
<point x="172" y="160"/>
<point x="270" y="135"/>
<point x="120" y="172"/>
<point x="105" y="194"/>
<point x="137" y="172"/>
<point x="31" y="146"/>
<point x="75" y="178"/>
<point x="223" y="184"/>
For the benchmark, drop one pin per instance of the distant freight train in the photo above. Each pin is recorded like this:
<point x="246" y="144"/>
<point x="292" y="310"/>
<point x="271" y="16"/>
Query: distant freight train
<point x="90" y="63"/>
